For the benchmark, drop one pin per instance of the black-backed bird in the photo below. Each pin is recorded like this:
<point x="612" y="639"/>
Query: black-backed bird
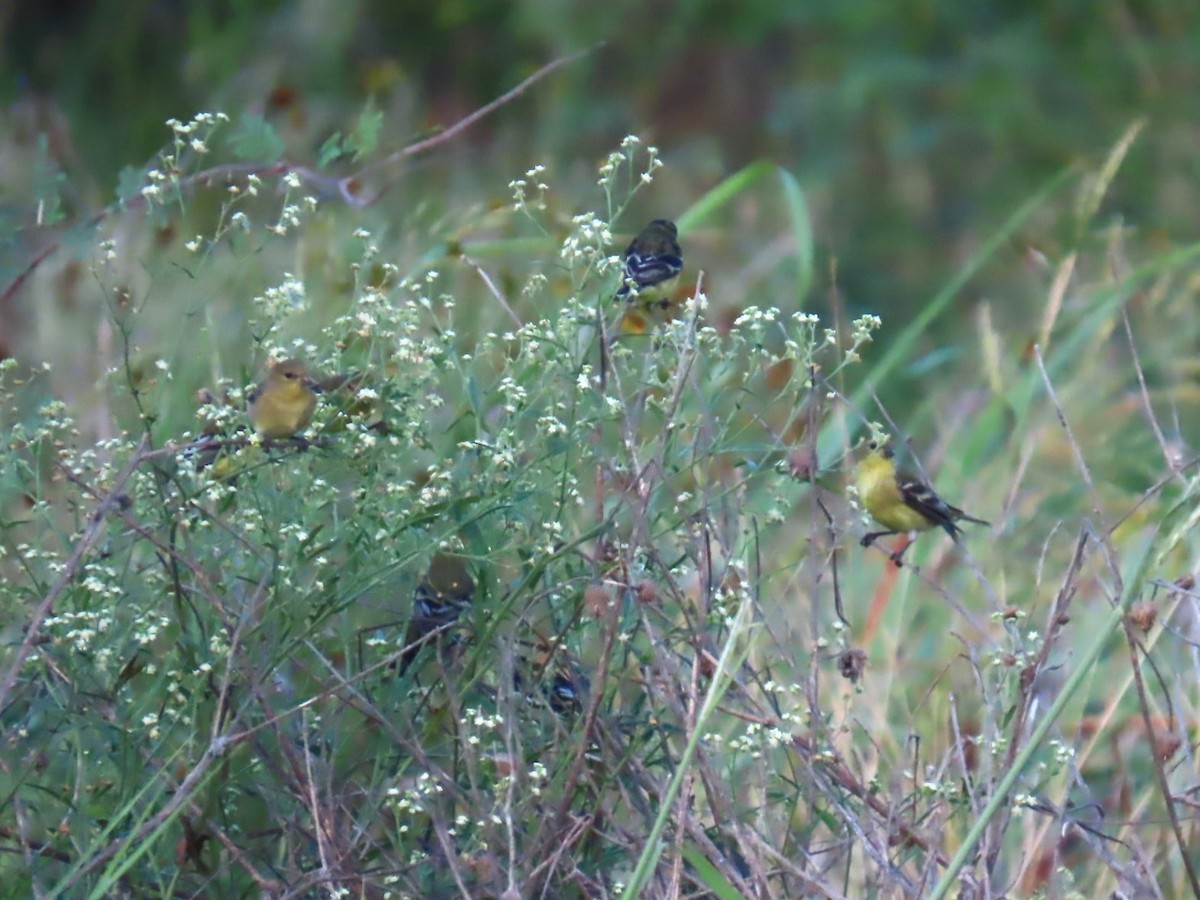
<point x="653" y="261"/>
<point x="902" y="501"/>
<point x="440" y="598"/>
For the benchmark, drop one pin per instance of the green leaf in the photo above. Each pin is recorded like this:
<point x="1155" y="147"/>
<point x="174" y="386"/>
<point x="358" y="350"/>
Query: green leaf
<point x="255" y="139"/>
<point x="330" y="150"/>
<point x="48" y="179"/>
<point x="709" y="875"/>
<point x="797" y="206"/>
<point x="363" y="140"/>
<point x="723" y="194"/>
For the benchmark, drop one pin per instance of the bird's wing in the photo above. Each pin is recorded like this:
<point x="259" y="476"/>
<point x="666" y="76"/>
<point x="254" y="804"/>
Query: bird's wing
<point x="649" y="269"/>
<point x="918" y="495"/>
<point x="433" y="609"/>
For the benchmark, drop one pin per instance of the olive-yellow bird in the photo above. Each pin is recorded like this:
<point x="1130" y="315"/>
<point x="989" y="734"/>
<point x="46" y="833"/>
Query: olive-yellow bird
<point x="283" y="403"/>
<point x="902" y="501"/>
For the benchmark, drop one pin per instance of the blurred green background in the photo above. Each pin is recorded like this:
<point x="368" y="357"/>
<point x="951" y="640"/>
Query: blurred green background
<point x="914" y="128"/>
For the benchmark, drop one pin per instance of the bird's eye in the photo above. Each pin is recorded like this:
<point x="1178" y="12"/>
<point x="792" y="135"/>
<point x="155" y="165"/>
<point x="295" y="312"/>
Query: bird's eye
<point x="874" y="445"/>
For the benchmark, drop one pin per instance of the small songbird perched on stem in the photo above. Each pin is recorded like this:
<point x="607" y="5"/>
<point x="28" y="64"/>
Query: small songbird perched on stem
<point x="283" y="403"/>
<point x="653" y="261"/>
<point x="440" y="598"/>
<point x="902" y="501"/>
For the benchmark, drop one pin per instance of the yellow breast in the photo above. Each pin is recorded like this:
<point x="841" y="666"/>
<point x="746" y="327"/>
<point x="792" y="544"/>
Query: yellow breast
<point x="879" y="493"/>
<point x="283" y="410"/>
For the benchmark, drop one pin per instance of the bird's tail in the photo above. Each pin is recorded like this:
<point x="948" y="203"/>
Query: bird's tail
<point x="959" y="516"/>
<point x="951" y="529"/>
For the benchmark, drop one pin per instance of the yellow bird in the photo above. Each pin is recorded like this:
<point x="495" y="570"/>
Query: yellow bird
<point x="282" y="404"/>
<point x="901" y="501"/>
